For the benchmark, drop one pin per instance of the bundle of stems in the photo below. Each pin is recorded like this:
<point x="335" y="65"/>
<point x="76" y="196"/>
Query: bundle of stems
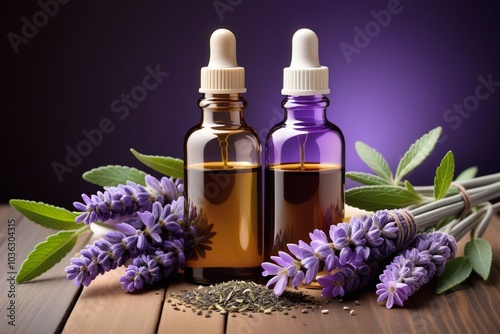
<point x="476" y="197"/>
<point x="353" y="250"/>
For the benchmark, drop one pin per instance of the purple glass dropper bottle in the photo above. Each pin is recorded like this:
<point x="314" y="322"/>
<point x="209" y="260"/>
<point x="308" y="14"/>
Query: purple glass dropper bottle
<point x="304" y="154"/>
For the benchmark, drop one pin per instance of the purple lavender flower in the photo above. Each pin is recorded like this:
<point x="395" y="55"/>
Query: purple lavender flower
<point x="333" y="284"/>
<point x="392" y="289"/>
<point x="441" y="247"/>
<point x="134" y="278"/>
<point x="142" y="232"/>
<point x="415" y="266"/>
<point x="147" y="270"/>
<point x="92" y="262"/>
<point x="153" y="239"/>
<point x="286" y="267"/>
<point x="351" y="253"/>
<point x="198" y="233"/>
<point x="347" y="278"/>
<point x="176" y="248"/>
<point x="78" y="270"/>
<point x="120" y="202"/>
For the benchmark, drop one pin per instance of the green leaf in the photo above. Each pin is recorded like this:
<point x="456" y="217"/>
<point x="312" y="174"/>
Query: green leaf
<point x="374" y="160"/>
<point x="480" y="256"/>
<point x="456" y="271"/>
<point x="467" y="174"/>
<point x="113" y="175"/>
<point x="417" y="153"/>
<point x="381" y="197"/>
<point x="166" y="165"/>
<point x="47" y="254"/>
<point x="410" y="188"/>
<point x="444" y="175"/>
<point x="46" y="215"/>
<point x="367" y="179"/>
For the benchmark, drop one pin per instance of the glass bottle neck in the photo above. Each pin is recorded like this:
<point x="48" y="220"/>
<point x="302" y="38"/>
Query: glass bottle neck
<point x="306" y="109"/>
<point x="222" y="109"/>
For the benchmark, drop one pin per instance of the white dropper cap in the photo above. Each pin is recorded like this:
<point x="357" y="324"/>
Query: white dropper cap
<point x="222" y="75"/>
<point x="305" y="76"/>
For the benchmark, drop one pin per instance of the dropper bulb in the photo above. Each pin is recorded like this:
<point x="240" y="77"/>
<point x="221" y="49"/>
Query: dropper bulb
<point x="222" y="49"/>
<point x="305" y="49"/>
<point x="222" y="75"/>
<point x="305" y="76"/>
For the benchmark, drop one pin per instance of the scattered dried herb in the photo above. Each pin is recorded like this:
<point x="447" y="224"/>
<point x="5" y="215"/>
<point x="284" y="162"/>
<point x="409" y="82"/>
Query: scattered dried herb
<point x="243" y="296"/>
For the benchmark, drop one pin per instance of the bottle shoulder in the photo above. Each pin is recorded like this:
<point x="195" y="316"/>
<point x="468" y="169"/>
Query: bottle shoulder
<point x="294" y="129"/>
<point x="204" y="131"/>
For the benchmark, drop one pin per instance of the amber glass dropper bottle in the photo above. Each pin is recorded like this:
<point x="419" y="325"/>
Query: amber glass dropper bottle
<point x="222" y="174"/>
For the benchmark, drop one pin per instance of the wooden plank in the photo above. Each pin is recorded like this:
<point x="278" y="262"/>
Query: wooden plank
<point x="103" y="307"/>
<point x="41" y="305"/>
<point x="181" y="319"/>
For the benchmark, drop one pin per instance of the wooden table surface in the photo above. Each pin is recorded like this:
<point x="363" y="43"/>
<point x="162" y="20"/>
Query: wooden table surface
<point x="52" y="304"/>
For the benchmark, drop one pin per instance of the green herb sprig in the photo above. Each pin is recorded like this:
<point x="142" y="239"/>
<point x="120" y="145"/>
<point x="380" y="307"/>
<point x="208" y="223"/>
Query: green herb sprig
<point x="433" y="206"/>
<point x="48" y="253"/>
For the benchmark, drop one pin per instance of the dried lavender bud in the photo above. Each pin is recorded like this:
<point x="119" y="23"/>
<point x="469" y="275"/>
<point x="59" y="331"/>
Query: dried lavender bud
<point x="241" y="297"/>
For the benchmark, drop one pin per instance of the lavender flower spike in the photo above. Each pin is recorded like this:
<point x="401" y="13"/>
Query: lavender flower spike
<point x="153" y="239"/>
<point x="415" y="266"/>
<point x="349" y="252"/>
<point x="122" y="201"/>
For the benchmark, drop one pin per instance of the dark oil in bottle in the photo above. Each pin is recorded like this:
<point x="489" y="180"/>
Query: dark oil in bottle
<point x="300" y="198"/>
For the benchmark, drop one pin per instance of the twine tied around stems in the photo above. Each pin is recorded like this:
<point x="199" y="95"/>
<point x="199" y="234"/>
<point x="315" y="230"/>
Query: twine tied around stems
<point x="467" y="200"/>
<point x="405" y="222"/>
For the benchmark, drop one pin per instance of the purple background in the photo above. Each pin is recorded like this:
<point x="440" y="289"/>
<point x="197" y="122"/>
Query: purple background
<point x="399" y="86"/>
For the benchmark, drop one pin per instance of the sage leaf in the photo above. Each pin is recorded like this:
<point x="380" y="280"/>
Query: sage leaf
<point x="467" y="174"/>
<point x="444" y="175"/>
<point x="455" y="272"/>
<point x="166" y="165"/>
<point x="379" y="197"/>
<point x="480" y="256"/>
<point x="374" y="160"/>
<point x="417" y="153"/>
<point x="113" y="175"/>
<point x="47" y="254"/>
<point x="410" y="188"/>
<point x="367" y="179"/>
<point x="47" y="215"/>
